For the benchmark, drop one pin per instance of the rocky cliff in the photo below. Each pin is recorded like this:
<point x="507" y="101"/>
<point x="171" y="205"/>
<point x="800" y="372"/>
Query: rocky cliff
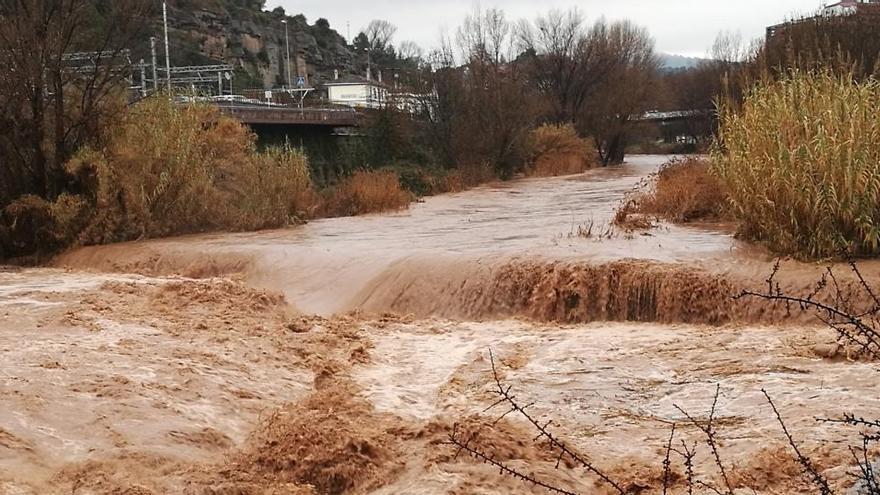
<point x="242" y="34"/>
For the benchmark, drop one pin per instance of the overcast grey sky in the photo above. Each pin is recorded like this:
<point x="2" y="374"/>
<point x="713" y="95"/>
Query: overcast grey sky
<point x="686" y="27"/>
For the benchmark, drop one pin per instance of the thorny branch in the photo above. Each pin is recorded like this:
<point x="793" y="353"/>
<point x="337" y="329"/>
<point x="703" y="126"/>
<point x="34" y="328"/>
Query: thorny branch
<point x="505" y="397"/>
<point x="709" y="431"/>
<point x="666" y="462"/>
<point x="857" y="327"/>
<point x="556" y="444"/>
<point x="464" y="445"/>
<point x="805" y="462"/>
<point x="870" y="432"/>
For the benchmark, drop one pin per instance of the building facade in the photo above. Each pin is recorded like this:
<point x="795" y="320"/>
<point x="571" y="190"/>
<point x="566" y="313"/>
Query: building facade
<point x="357" y="94"/>
<point x="838" y="9"/>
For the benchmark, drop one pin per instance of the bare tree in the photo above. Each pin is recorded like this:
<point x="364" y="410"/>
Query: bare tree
<point x="63" y="61"/>
<point x="409" y="50"/>
<point x="626" y="90"/>
<point x="598" y="77"/>
<point x="729" y="48"/>
<point x="565" y="61"/>
<point x="379" y="34"/>
<point x="498" y="108"/>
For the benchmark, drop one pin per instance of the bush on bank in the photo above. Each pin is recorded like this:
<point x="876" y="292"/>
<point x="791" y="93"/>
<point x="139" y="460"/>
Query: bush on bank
<point x="559" y="150"/>
<point x="683" y="190"/>
<point x="170" y="170"/>
<point x="801" y="163"/>
<point x="164" y="170"/>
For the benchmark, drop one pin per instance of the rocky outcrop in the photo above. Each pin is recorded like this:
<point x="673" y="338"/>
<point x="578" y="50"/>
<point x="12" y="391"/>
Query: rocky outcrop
<point x="240" y="33"/>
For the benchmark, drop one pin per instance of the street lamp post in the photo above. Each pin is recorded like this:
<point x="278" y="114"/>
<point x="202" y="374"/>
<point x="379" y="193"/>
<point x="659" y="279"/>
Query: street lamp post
<point x="287" y="43"/>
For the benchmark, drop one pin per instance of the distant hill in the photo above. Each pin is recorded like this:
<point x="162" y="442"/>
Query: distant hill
<point x="670" y="61"/>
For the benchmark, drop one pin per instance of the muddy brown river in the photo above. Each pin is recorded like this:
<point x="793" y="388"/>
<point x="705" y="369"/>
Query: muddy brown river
<point x="337" y="357"/>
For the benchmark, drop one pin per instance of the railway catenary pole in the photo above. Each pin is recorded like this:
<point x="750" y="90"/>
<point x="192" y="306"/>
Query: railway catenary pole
<point x="167" y="51"/>
<point x="143" y="67"/>
<point x="153" y="53"/>
<point x="287" y="43"/>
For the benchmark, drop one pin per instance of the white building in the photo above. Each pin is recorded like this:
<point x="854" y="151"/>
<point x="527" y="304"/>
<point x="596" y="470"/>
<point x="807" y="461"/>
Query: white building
<point x="845" y="7"/>
<point x="357" y="94"/>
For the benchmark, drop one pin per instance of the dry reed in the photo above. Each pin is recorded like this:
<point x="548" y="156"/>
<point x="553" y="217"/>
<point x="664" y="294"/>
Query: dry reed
<point x="801" y="162"/>
<point x="365" y="191"/>
<point x="169" y="170"/>
<point x="682" y="191"/>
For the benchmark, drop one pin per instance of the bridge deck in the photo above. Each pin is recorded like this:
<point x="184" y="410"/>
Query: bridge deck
<point x="256" y="115"/>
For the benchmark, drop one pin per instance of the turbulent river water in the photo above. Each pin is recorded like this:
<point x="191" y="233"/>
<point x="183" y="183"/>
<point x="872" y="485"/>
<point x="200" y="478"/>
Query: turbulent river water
<point x="326" y="266"/>
<point x="335" y="357"/>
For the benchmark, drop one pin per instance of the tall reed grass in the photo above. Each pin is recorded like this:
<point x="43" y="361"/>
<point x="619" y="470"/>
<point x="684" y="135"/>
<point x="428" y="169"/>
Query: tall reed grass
<point x="801" y="162"/>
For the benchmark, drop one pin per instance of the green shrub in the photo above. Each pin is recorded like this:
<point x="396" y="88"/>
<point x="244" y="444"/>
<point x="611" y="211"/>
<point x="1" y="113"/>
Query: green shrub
<point x="801" y="163"/>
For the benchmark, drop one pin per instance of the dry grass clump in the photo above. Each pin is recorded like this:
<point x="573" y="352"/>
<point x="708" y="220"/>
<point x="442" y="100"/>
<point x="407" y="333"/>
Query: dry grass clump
<point x="168" y="170"/>
<point x="468" y="175"/>
<point x="558" y="150"/>
<point x="684" y="190"/>
<point x="270" y="190"/>
<point x="365" y="191"/>
<point x="801" y="162"/>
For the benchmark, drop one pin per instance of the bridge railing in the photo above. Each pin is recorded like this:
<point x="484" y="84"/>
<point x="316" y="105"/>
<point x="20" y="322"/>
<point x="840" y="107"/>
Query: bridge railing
<point x="253" y="114"/>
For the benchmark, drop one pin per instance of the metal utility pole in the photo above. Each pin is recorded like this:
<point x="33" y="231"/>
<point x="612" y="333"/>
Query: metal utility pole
<point x="220" y="83"/>
<point x="143" y="67"/>
<point x="167" y="51"/>
<point x="369" y="65"/>
<point x="155" y="76"/>
<point x="287" y="42"/>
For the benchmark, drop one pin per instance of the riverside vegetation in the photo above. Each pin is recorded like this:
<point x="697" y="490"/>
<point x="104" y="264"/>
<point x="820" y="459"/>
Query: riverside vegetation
<point x="63" y="151"/>
<point x="168" y="170"/>
<point x="796" y="166"/>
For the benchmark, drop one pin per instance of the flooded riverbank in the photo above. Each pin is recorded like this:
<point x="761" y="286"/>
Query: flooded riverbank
<point x="197" y="364"/>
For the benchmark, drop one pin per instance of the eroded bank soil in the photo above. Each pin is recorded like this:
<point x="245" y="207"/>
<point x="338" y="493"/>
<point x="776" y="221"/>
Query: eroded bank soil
<point x="133" y="385"/>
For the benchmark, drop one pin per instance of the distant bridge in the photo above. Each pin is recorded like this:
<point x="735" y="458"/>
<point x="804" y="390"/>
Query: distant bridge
<point x="673" y="116"/>
<point x="287" y="116"/>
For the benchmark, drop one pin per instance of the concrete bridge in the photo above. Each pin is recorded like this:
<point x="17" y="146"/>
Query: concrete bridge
<point x="276" y="116"/>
